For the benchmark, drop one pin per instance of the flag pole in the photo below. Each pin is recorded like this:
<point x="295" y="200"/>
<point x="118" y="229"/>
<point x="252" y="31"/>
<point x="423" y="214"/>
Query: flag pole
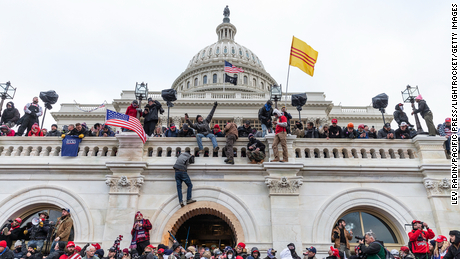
<point x="287" y="85"/>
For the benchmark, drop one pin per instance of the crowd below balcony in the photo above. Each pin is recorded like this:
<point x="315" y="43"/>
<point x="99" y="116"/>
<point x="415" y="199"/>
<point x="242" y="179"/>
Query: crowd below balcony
<point x="28" y="125"/>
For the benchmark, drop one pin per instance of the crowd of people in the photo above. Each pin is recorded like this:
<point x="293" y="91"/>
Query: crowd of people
<point x="423" y="244"/>
<point x="271" y="120"/>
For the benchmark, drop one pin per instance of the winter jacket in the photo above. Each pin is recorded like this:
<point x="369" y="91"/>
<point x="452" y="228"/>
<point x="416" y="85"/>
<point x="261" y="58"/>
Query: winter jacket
<point x="10" y="114"/>
<point x="288" y="117"/>
<point x="189" y="133"/>
<point x="153" y="111"/>
<point x="147" y="226"/>
<point x="75" y="132"/>
<point x="399" y="133"/>
<point x="33" y="110"/>
<point x="423" y="108"/>
<point x="217" y="133"/>
<point x="383" y="133"/>
<point x="63" y="227"/>
<point x="361" y="132"/>
<point x="9" y="132"/>
<point x="172" y="134"/>
<point x="242" y="254"/>
<point x="110" y="133"/>
<point x="371" y="134"/>
<point x="37" y="232"/>
<point x="374" y="251"/>
<point x="336" y="238"/>
<point x="38" y="132"/>
<point x="203" y="127"/>
<point x="57" y="253"/>
<point x="265" y="116"/>
<point x="53" y="133"/>
<point x="445" y="130"/>
<point x="311" y="133"/>
<point x="420" y="246"/>
<point x="244" y="132"/>
<point x="7" y="254"/>
<point x="252" y="251"/>
<point x="231" y="129"/>
<point x="36" y="255"/>
<point x="132" y="111"/>
<point x="400" y="115"/>
<point x="182" y="162"/>
<point x="333" y="131"/>
<point x="352" y="135"/>
<point x="255" y="143"/>
<point x="18" y="253"/>
<point x="453" y="252"/>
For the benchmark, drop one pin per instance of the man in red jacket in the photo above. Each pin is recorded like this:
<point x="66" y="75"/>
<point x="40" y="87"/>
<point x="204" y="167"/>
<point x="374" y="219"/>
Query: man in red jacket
<point x="280" y="136"/>
<point x="71" y="253"/>
<point x="419" y="239"/>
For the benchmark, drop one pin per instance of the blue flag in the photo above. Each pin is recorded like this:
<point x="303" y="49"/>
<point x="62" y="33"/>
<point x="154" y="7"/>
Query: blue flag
<point x="70" y="145"/>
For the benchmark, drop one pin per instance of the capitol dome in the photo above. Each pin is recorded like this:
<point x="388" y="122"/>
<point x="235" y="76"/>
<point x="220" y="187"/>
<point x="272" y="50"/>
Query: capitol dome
<point x="205" y="71"/>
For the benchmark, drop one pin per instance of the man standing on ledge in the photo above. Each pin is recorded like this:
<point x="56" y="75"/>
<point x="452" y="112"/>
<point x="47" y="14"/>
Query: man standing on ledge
<point x="426" y="113"/>
<point x="280" y="137"/>
<point x="202" y="129"/>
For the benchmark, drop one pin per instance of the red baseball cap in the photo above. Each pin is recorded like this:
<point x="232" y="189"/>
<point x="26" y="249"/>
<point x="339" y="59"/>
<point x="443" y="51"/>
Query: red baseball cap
<point x="334" y="120"/>
<point x="335" y="252"/>
<point x="440" y="239"/>
<point x="19" y="220"/>
<point x="151" y="246"/>
<point x="416" y="221"/>
<point x="361" y="126"/>
<point x="78" y="249"/>
<point x="448" y="119"/>
<point x="242" y="245"/>
<point x="405" y="249"/>
<point x="69" y="244"/>
<point x="3" y="243"/>
<point x="161" y="250"/>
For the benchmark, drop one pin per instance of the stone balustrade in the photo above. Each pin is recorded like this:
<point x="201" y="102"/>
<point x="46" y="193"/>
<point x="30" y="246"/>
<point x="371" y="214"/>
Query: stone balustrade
<point x="307" y="151"/>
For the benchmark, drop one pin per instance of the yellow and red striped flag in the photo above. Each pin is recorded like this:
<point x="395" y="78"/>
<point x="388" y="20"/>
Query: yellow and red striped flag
<point x="303" y="56"/>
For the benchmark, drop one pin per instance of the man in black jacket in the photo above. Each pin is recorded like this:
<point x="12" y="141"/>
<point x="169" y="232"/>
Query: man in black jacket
<point x="399" y="115"/>
<point x="288" y="117"/>
<point x="453" y="252"/>
<point x="256" y="150"/>
<point x="58" y="250"/>
<point x="54" y="132"/>
<point x="311" y="131"/>
<point x="13" y="232"/>
<point x="245" y="130"/>
<point x="426" y="113"/>
<point x="336" y="130"/>
<point x="265" y="118"/>
<point x="386" y="132"/>
<point x="151" y="115"/>
<point x="10" y="115"/>
<point x="180" y="167"/>
<point x="78" y="130"/>
<point x="186" y="131"/>
<point x="202" y="129"/>
<point x="39" y="232"/>
<point x="402" y="132"/>
<point x="32" y="112"/>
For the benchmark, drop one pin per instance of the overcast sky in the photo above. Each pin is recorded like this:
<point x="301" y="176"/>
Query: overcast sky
<point x="89" y="51"/>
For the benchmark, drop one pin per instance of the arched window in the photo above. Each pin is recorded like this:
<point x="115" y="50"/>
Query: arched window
<point x="205" y="80"/>
<point x="253" y="57"/>
<point x="188" y="84"/>
<point x="217" y="50"/>
<point x="196" y="82"/>
<point x="262" y="85"/>
<point x="241" y="53"/>
<point x="233" y="50"/>
<point x="361" y="222"/>
<point x="182" y="88"/>
<point x="203" y="54"/>
<point x="254" y="82"/>
<point x="214" y="79"/>
<point x="247" y="54"/>
<point x="210" y="51"/>
<point x="245" y="80"/>
<point x="225" y="50"/>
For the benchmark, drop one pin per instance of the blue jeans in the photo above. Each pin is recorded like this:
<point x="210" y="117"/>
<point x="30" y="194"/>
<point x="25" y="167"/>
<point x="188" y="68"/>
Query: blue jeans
<point x="183" y="177"/>
<point x="264" y="130"/>
<point x="39" y="244"/>
<point x="52" y="246"/>
<point x="211" y="136"/>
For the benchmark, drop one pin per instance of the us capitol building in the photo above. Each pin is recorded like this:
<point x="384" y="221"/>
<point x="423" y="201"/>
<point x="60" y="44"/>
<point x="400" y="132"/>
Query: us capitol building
<point x="373" y="184"/>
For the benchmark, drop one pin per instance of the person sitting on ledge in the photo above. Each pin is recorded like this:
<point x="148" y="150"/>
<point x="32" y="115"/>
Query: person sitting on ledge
<point x="386" y="132"/>
<point x="217" y="132"/>
<point x="186" y="131"/>
<point x="202" y="129"/>
<point x="172" y="132"/>
<point x="402" y="132"/>
<point x="256" y="150"/>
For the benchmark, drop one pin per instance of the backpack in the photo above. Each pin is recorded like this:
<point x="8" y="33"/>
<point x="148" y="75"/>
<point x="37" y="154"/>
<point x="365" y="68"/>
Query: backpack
<point x="388" y="255"/>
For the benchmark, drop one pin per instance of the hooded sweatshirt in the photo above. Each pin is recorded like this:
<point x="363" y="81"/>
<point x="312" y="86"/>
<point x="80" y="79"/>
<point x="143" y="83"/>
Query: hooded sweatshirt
<point x="217" y="132"/>
<point x="10" y="114"/>
<point x="293" y="252"/>
<point x="36" y="132"/>
<point x="400" y="115"/>
<point x="9" y="132"/>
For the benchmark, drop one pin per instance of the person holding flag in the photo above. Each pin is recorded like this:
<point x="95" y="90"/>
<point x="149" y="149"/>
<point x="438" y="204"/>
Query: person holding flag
<point x="127" y="122"/>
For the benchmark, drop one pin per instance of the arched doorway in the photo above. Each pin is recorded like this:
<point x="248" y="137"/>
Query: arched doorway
<point x="206" y="230"/>
<point x="225" y="225"/>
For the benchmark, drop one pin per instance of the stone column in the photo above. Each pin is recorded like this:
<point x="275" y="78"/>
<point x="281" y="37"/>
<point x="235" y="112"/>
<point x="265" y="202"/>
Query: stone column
<point x="125" y="183"/>
<point x="289" y="144"/>
<point x="283" y="184"/>
<point x="438" y="191"/>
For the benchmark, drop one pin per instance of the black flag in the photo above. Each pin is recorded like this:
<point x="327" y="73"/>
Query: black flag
<point x="231" y="80"/>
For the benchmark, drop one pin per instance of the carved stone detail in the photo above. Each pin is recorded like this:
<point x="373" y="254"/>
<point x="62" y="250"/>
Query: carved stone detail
<point x="284" y="185"/>
<point x="124" y="184"/>
<point x="177" y="121"/>
<point x="238" y="121"/>
<point x="437" y="186"/>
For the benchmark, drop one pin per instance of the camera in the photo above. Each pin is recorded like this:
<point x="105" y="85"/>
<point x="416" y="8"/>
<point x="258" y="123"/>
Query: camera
<point x="359" y="238"/>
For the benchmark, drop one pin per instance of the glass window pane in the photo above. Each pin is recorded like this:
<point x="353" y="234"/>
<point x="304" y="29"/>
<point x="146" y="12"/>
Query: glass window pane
<point x="354" y="224"/>
<point x="214" y="78"/>
<point x="382" y="231"/>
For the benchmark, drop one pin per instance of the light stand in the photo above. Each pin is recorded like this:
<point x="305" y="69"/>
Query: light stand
<point x="169" y="96"/>
<point x="275" y="94"/>
<point x="141" y="92"/>
<point x="48" y="98"/>
<point x="408" y="96"/>
<point x="380" y="102"/>
<point x="299" y="100"/>
<point x="8" y="92"/>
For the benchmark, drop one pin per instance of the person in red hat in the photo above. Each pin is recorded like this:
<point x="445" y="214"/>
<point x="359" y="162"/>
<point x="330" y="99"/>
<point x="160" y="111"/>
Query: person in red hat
<point x="445" y="131"/>
<point x="335" y="130"/>
<point x="71" y="252"/>
<point x="126" y="254"/>
<point x="141" y="233"/>
<point x="441" y="247"/>
<point x="418" y="239"/>
<point x="333" y="253"/>
<point x="240" y="250"/>
<point x="12" y="233"/>
<point x="5" y="252"/>
<point x="405" y="253"/>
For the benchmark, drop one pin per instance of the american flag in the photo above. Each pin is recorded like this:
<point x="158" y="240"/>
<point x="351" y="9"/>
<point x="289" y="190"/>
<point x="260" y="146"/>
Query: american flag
<point x="127" y="122"/>
<point x="229" y="68"/>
